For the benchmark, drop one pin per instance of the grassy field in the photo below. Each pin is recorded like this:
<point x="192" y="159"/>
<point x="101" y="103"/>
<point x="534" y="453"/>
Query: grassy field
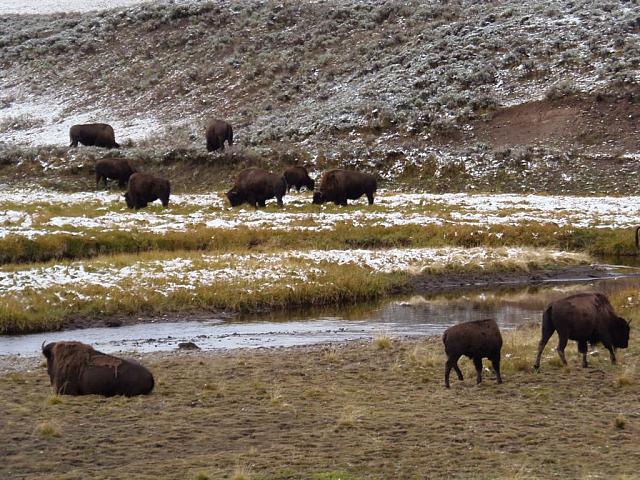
<point x="373" y="410"/>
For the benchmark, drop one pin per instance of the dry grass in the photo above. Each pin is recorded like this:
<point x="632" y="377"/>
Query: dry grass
<point x="354" y="413"/>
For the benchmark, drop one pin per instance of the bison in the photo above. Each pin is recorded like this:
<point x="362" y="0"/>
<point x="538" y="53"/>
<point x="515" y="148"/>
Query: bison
<point x="339" y="185"/>
<point x="96" y="134"/>
<point x="115" y="169"/>
<point x="584" y="317"/>
<point x="477" y="340"/>
<point x="75" y="368"/>
<point x="298" y="177"/>
<point x="254" y="186"/>
<point x="145" y="188"/>
<point x="217" y="132"/>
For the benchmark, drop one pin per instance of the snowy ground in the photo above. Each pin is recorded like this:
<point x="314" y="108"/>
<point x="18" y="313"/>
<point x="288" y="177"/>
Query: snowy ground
<point x="32" y="213"/>
<point x="29" y="7"/>
<point x="47" y="121"/>
<point x="265" y="270"/>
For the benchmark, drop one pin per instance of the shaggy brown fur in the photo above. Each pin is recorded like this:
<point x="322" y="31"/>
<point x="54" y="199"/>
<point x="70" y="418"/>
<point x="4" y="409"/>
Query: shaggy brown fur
<point x="217" y="132"/>
<point x="255" y="186"/>
<point x="477" y="340"/>
<point x="298" y="177"/>
<point x="145" y="188"/>
<point x="585" y="318"/>
<point x="113" y="168"/>
<point x="75" y="368"/>
<point x="97" y="134"/>
<point x="339" y="185"/>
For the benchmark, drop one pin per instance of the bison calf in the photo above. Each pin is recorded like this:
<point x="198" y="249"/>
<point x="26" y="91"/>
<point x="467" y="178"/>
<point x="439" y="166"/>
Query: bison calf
<point x="144" y="188"/>
<point x="113" y="169"/>
<point x="298" y="177"/>
<point x="477" y="340"/>
<point x="584" y="317"/>
<point x="217" y="132"/>
<point x="255" y="186"/>
<point x="339" y="185"/>
<point x="75" y="368"/>
<point x="93" y="134"/>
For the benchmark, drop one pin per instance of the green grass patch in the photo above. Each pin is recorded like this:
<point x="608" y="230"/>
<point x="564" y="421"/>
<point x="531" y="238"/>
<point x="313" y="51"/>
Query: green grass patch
<point x="56" y="246"/>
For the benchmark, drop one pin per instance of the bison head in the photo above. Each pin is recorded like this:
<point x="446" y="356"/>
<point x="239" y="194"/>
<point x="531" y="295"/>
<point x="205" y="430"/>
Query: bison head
<point x="47" y="351"/>
<point x="129" y="200"/>
<point x="620" y="332"/>
<point x="311" y="184"/>
<point x="235" y="197"/>
<point x="318" y="198"/>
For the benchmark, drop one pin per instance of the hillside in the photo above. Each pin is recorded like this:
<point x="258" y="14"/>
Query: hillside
<point x="493" y="96"/>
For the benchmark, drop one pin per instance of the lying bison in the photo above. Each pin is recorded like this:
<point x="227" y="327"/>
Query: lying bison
<point x="113" y="169"/>
<point x="338" y="186"/>
<point x="477" y="340"/>
<point x="77" y="369"/>
<point x="96" y="134"/>
<point x="584" y="317"/>
<point x="144" y="189"/>
<point x="255" y="186"/>
<point x="298" y="177"/>
<point x="217" y="132"/>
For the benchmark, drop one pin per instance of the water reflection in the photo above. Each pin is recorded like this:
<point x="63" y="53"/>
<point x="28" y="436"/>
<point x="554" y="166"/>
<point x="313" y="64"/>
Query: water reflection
<point x="510" y="306"/>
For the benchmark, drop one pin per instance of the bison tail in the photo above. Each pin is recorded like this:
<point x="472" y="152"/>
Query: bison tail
<point x="547" y="324"/>
<point x="638" y="238"/>
<point x="230" y="134"/>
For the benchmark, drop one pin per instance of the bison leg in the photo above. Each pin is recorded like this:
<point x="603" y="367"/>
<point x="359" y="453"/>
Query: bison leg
<point x="495" y="362"/>
<point x="612" y="353"/>
<point x="370" y="197"/>
<point x="547" y="331"/>
<point x="98" y="178"/>
<point x="477" y="362"/>
<point x="452" y="362"/>
<point x="562" y="344"/>
<point x="165" y="202"/>
<point x="279" y="199"/>
<point x="582" y="348"/>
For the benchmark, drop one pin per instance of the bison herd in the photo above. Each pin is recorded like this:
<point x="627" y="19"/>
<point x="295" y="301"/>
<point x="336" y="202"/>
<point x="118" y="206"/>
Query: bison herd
<point x="77" y="369"/>
<point x="253" y="186"/>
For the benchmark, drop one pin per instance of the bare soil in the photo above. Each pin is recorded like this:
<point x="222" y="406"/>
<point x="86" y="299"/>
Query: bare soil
<point x="347" y="411"/>
<point x="596" y="123"/>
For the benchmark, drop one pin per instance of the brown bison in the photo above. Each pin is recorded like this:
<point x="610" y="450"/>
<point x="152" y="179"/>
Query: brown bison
<point x="144" y="189"/>
<point x="638" y="238"/>
<point x="477" y="340"/>
<point x="584" y="317"/>
<point x="77" y="369"/>
<point x="97" y="134"/>
<point x="113" y="169"/>
<point x="254" y="186"/>
<point x="298" y="177"/>
<point x="217" y="132"/>
<point x="339" y="185"/>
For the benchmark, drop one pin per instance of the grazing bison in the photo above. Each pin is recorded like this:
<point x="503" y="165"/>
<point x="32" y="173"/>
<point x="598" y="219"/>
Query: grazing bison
<point x="339" y="185"/>
<point x="477" y="340"/>
<point x="217" y="132"/>
<point x="298" y="177"/>
<point x="145" y="188"/>
<point x="77" y="369"/>
<point x="584" y="317"/>
<point x="254" y="186"/>
<point x="113" y="169"/>
<point x="97" y="134"/>
<point x="638" y="238"/>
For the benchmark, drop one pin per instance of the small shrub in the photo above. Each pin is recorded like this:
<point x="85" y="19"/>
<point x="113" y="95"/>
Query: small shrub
<point x="561" y="89"/>
<point x="54" y="400"/>
<point x="382" y="342"/>
<point x="48" y="430"/>
<point x="620" y="422"/>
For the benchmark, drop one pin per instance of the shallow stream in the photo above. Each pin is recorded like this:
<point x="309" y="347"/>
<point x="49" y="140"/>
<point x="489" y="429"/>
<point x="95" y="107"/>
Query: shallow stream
<point x="510" y="305"/>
